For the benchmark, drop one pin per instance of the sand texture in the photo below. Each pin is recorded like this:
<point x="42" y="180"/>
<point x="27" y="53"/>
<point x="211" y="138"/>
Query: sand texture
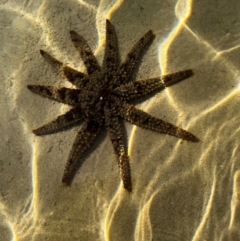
<point x="181" y="190"/>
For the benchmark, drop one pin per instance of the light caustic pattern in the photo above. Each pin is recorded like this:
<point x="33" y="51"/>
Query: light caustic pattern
<point x="26" y="222"/>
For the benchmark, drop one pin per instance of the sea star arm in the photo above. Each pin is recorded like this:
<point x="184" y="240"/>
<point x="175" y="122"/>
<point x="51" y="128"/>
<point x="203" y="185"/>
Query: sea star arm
<point x="144" y="120"/>
<point x="126" y="68"/>
<point x="86" y="53"/>
<point x="83" y="141"/>
<point x="116" y="136"/>
<point x="140" y="88"/>
<point x="77" y="78"/>
<point x="64" y="95"/>
<point x="70" y="118"/>
<point x="51" y="60"/>
<point x="110" y="55"/>
<point x="173" y="78"/>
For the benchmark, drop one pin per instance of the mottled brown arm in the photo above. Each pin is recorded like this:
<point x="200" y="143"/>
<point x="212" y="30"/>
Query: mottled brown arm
<point x="64" y="95"/>
<point x="51" y="60"/>
<point x="173" y="78"/>
<point x="77" y="78"/>
<point x="126" y="68"/>
<point x="140" y="88"/>
<point x="86" y="53"/>
<point x="69" y="119"/>
<point x="110" y="55"/>
<point x="116" y="136"/>
<point x="144" y="120"/>
<point x="83" y="141"/>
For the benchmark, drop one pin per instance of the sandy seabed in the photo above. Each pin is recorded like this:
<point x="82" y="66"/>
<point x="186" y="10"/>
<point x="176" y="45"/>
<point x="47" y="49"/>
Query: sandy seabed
<point x="181" y="190"/>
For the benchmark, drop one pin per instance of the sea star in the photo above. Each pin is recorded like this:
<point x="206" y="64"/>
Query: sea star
<point x="101" y="97"/>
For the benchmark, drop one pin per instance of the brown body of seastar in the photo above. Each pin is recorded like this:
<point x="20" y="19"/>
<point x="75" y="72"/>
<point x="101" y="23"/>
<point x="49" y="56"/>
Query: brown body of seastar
<point x="101" y="98"/>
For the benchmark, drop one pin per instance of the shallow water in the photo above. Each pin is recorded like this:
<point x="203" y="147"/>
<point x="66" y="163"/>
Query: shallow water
<point x="181" y="190"/>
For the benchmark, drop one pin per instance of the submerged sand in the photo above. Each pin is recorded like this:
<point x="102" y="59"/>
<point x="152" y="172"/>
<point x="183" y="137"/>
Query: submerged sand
<point x="181" y="190"/>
